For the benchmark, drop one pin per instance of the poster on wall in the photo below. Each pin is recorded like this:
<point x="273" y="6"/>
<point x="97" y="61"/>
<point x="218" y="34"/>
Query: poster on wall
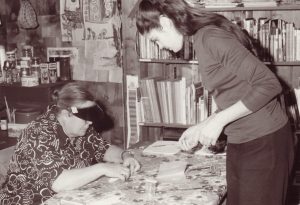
<point x="97" y="25"/>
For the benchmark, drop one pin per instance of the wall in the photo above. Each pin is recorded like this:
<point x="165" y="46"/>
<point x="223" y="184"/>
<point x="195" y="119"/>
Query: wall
<point x="103" y="77"/>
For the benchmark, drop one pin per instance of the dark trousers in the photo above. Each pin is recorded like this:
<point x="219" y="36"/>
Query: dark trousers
<point x="258" y="171"/>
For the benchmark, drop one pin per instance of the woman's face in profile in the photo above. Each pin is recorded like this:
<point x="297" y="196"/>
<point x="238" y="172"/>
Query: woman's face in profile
<point x="167" y="36"/>
<point x="75" y="126"/>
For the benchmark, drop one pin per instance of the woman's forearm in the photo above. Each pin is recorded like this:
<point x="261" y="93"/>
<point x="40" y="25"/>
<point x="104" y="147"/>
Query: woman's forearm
<point x="75" y="178"/>
<point x="113" y="154"/>
<point x="232" y="113"/>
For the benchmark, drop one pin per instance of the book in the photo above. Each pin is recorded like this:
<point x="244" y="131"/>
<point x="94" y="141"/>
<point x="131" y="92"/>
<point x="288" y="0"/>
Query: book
<point x="162" y="148"/>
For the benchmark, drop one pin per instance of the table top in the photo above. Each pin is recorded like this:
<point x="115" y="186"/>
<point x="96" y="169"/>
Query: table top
<point x="204" y="184"/>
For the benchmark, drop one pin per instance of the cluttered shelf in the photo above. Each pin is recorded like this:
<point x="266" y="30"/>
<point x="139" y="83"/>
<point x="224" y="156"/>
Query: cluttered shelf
<point x="18" y="85"/>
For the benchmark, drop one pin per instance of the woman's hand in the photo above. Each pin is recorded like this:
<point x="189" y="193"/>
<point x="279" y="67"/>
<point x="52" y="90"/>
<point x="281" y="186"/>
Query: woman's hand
<point x="115" y="170"/>
<point x="210" y="130"/>
<point x="130" y="162"/>
<point x="207" y="133"/>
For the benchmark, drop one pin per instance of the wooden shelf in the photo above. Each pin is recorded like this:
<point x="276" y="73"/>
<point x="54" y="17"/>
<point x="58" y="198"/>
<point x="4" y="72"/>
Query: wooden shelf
<point x="168" y="61"/>
<point x="179" y="61"/>
<point x="286" y="7"/>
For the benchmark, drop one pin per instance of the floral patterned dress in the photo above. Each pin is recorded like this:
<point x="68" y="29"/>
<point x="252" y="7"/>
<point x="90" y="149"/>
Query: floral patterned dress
<point x="42" y="153"/>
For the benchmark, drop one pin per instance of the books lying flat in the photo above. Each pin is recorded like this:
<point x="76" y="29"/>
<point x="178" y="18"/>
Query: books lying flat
<point x="162" y="148"/>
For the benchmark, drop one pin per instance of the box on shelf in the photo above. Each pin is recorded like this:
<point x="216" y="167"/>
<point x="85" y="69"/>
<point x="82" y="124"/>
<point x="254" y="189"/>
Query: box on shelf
<point x="14" y="130"/>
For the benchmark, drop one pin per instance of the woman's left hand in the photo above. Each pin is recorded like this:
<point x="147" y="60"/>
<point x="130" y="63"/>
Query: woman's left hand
<point x="130" y="162"/>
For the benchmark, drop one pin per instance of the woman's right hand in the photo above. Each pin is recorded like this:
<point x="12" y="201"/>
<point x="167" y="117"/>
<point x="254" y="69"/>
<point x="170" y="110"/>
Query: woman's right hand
<point x="115" y="170"/>
<point x="189" y="138"/>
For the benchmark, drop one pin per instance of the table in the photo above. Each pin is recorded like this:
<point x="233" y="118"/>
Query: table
<point x="204" y="185"/>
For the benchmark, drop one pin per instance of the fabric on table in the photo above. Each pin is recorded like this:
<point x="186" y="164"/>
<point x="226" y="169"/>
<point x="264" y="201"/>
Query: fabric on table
<point x="203" y="184"/>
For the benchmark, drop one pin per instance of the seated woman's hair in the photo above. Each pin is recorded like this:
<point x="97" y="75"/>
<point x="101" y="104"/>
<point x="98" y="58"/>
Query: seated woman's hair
<point x="71" y="94"/>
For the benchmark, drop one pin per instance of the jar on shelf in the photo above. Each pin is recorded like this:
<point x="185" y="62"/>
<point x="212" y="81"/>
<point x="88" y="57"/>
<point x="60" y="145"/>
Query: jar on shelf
<point x="7" y="69"/>
<point x="27" y="51"/>
<point x="18" y="70"/>
<point x="11" y="56"/>
<point x="25" y="64"/>
<point x="25" y="71"/>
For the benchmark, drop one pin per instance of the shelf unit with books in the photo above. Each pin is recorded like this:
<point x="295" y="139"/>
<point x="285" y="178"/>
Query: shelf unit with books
<point x="286" y="67"/>
<point x="146" y="66"/>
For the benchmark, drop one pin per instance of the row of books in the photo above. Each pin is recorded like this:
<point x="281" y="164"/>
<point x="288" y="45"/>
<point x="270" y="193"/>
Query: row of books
<point x="174" y="101"/>
<point x="277" y="41"/>
<point x="280" y="40"/>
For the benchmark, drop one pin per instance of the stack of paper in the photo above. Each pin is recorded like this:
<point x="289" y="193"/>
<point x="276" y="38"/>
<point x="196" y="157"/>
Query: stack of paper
<point x="162" y="148"/>
<point x="172" y="171"/>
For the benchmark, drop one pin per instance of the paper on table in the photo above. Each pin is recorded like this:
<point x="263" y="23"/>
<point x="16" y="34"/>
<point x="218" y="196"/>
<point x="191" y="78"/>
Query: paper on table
<point x="172" y="171"/>
<point x="162" y="148"/>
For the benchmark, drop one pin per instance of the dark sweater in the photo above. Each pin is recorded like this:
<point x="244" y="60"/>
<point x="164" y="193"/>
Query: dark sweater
<point x="232" y="73"/>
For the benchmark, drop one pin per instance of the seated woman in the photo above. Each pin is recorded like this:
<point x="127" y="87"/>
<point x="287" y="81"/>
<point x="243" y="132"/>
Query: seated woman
<point x="60" y="150"/>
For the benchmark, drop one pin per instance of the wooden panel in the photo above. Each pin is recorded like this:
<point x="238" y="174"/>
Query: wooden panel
<point x="130" y="58"/>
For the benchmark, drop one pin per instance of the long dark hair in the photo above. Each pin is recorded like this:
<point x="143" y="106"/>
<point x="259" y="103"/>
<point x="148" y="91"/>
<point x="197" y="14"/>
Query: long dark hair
<point x="186" y="18"/>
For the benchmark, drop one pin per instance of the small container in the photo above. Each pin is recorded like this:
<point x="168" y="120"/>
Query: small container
<point x="29" y="81"/>
<point x="150" y="189"/>
<point x="27" y="51"/>
<point x="44" y="67"/>
<point x="52" y="72"/>
<point x="25" y="62"/>
<point x="56" y="59"/>
<point x="25" y="71"/>
<point x="65" y="68"/>
<point x="11" y="55"/>
<point x="35" y="68"/>
<point x="3" y="124"/>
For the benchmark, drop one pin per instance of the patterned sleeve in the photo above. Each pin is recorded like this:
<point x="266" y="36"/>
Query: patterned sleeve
<point x="93" y="145"/>
<point x="38" y="156"/>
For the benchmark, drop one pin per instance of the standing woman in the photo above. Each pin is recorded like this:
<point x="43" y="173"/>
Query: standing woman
<point x="260" y="143"/>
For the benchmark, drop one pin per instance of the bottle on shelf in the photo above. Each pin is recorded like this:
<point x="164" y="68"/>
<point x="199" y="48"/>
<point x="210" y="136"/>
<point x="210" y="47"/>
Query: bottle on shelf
<point x="35" y="68"/>
<point x="65" y="68"/>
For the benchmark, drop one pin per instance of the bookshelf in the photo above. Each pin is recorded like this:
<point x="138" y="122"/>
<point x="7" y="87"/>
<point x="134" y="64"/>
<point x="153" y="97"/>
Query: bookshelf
<point x="287" y="70"/>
